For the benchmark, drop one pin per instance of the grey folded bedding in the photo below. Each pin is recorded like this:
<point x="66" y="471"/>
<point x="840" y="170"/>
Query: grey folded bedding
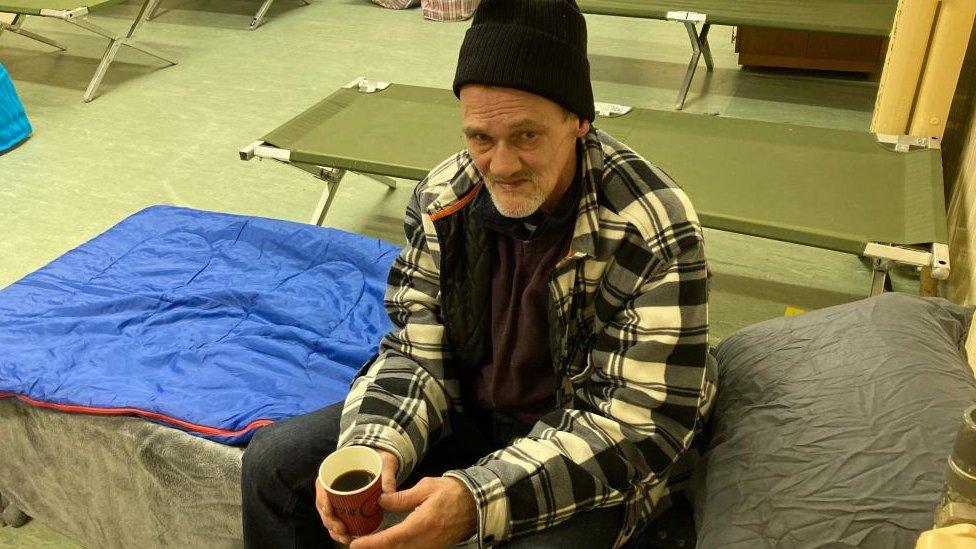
<point x="119" y="481"/>
<point x="832" y="429"/>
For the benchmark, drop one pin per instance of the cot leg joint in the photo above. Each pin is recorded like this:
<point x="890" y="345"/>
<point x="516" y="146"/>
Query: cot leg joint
<point x="332" y="178"/>
<point x="699" y="48"/>
<point x="15" y="27"/>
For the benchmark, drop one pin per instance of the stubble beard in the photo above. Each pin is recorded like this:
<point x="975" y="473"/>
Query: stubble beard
<point x="520" y="202"/>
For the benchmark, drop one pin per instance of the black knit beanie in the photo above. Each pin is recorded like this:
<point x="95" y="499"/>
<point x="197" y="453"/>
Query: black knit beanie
<point x="538" y="46"/>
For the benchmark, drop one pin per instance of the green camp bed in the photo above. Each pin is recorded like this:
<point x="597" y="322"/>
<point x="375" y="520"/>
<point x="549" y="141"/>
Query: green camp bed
<point x="878" y="196"/>
<point x="866" y="17"/>
<point x="71" y="12"/>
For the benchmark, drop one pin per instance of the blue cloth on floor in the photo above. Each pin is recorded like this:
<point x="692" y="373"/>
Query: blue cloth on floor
<point x="14" y="127"/>
<point x="213" y="323"/>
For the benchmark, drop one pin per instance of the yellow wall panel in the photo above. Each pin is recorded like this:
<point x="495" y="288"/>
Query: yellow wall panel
<point x="902" y="71"/>
<point x="947" y="48"/>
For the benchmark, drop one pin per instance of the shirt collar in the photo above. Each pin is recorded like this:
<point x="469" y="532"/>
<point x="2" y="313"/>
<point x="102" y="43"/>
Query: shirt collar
<point x="587" y="231"/>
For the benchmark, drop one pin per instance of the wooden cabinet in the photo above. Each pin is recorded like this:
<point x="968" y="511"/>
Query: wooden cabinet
<point x="764" y="47"/>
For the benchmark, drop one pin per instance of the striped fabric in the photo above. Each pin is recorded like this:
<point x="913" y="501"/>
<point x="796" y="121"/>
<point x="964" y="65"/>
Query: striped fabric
<point x="448" y="10"/>
<point x="14" y="126"/>
<point x="637" y="380"/>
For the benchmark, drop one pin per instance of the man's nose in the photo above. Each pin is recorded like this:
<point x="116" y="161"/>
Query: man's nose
<point x="505" y="162"/>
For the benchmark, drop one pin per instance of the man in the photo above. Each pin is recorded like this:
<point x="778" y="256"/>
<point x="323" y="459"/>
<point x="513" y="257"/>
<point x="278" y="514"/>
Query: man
<point x="549" y="363"/>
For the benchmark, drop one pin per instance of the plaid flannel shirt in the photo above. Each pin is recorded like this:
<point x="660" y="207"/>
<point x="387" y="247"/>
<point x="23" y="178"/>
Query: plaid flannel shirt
<point x="635" y="279"/>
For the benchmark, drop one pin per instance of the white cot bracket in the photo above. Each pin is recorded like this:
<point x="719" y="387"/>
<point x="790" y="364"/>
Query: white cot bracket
<point x="940" y="262"/>
<point x="260" y="149"/>
<point x="936" y="257"/>
<point x="611" y="110"/>
<point x="906" y="143"/>
<point x="699" y="47"/>
<point x="367" y="86"/>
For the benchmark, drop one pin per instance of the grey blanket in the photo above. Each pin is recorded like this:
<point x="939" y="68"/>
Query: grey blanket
<point x="119" y="481"/>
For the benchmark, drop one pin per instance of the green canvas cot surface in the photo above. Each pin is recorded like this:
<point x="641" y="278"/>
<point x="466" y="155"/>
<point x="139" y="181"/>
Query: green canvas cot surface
<point x="827" y="188"/>
<point x="34" y="7"/>
<point x="871" y="17"/>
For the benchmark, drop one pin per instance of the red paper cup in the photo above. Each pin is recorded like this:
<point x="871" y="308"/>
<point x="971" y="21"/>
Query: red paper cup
<point x="356" y="506"/>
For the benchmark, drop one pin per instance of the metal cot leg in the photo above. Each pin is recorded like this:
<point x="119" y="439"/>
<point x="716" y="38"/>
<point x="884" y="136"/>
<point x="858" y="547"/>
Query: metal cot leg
<point x="259" y="16"/>
<point x="152" y="14"/>
<point x="881" y="279"/>
<point x="699" y="46"/>
<point x="107" y="58"/>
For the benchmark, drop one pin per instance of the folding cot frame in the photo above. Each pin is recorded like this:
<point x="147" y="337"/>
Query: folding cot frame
<point x="933" y="254"/>
<point x="692" y="13"/>
<point x="79" y="17"/>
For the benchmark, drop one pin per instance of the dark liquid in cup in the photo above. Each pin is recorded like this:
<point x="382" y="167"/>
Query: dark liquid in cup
<point x="352" y="480"/>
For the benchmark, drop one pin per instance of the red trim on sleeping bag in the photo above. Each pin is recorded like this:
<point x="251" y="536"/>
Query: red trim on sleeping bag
<point x="192" y="427"/>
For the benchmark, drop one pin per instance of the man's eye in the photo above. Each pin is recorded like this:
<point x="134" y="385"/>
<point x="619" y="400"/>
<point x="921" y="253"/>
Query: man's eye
<point x="480" y="138"/>
<point x="529" y="136"/>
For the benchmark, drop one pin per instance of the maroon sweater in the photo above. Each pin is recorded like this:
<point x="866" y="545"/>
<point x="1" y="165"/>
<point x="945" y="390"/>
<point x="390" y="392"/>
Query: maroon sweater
<point x="519" y="378"/>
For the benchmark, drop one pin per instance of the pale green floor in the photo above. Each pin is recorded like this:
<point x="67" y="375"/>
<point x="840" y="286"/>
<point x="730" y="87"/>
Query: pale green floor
<point x="171" y="135"/>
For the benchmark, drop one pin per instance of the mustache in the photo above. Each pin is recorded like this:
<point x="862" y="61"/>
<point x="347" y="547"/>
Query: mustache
<point x="524" y="175"/>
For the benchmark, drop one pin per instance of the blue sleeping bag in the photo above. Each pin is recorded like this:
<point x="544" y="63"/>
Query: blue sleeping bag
<point x="212" y="323"/>
<point x="14" y="127"/>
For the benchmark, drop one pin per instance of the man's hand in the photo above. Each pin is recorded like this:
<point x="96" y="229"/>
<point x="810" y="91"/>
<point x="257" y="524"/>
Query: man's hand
<point x="444" y="513"/>
<point x="337" y="530"/>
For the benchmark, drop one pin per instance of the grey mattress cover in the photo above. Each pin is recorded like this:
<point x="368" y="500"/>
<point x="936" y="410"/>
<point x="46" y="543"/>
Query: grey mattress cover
<point x="113" y="481"/>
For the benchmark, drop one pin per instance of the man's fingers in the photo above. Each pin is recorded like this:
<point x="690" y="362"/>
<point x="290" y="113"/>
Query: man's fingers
<point x="322" y="504"/>
<point x="345" y="540"/>
<point x="388" y="481"/>
<point x="439" y="518"/>
<point x="396" y="536"/>
<point x="335" y="526"/>
<point x="406" y="500"/>
<point x="388" y="474"/>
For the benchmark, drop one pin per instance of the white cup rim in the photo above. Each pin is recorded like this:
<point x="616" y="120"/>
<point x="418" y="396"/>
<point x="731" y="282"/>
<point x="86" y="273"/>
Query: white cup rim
<point x="347" y="459"/>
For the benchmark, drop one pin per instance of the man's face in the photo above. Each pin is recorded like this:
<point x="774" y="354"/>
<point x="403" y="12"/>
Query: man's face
<point x="524" y="146"/>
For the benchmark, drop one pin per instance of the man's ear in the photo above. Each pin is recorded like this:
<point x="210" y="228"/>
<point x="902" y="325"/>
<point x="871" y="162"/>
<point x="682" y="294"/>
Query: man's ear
<point x="583" y="127"/>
